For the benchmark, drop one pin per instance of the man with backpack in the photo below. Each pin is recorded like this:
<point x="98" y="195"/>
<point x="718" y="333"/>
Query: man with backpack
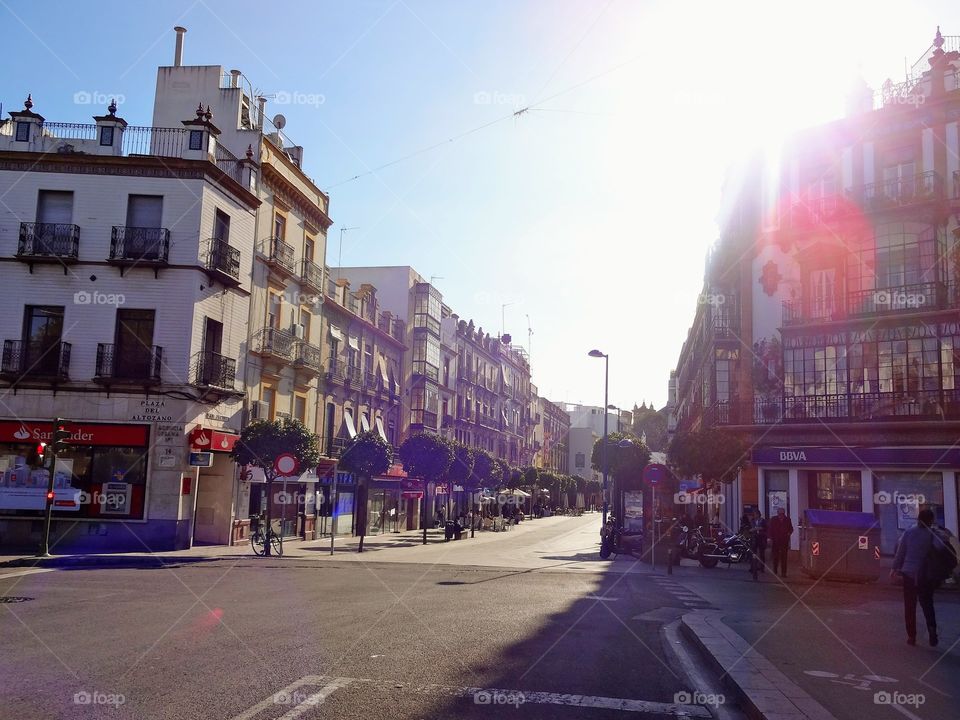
<point x="924" y="560"/>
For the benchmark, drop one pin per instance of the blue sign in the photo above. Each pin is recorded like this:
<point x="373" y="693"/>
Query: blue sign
<point x="655" y="473"/>
<point x="858" y="457"/>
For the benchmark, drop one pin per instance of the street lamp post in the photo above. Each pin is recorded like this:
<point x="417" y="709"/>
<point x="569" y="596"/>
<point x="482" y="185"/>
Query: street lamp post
<point x="619" y="410"/>
<point x="603" y="448"/>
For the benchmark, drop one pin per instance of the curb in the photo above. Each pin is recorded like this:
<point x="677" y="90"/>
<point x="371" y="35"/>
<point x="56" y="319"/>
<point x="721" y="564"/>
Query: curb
<point x="66" y="561"/>
<point x="765" y="692"/>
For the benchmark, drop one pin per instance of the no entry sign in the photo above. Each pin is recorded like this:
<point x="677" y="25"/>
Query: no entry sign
<point x="655" y="473"/>
<point x="286" y="465"/>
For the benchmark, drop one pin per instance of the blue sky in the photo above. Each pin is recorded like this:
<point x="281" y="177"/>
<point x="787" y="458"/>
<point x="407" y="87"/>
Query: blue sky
<point x="591" y="212"/>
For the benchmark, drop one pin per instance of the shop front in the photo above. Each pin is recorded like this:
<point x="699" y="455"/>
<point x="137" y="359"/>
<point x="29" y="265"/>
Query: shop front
<point x="101" y="478"/>
<point x="214" y="497"/>
<point x="387" y="505"/>
<point x="893" y="483"/>
<point x="335" y="500"/>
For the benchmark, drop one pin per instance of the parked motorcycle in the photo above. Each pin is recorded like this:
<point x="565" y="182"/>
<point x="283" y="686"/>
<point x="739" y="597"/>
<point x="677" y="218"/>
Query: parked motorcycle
<point x="609" y="538"/>
<point x="688" y="540"/>
<point x="730" y="549"/>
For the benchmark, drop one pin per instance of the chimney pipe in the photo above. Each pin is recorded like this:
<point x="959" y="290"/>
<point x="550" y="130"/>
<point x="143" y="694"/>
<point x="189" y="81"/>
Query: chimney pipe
<point x="235" y="78"/>
<point x="178" y="53"/>
<point x="261" y="108"/>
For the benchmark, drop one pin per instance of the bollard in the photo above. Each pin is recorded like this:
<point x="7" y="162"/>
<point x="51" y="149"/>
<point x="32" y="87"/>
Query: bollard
<point x="670" y="561"/>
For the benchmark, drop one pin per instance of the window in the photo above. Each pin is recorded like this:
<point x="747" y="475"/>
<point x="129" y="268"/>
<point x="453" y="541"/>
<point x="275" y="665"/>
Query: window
<point x="835" y="491"/>
<point x="308" y="248"/>
<point x="279" y="226"/>
<point x="274" y="309"/>
<point x="42" y="333"/>
<point x="221" y="226"/>
<point x="144" y="211"/>
<point x="368" y="358"/>
<point x="133" y="351"/>
<point x="212" y="336"/>
<point x="269" y="395"/>
<point x="306" y="322"/>
<point x="196" y="139"/>
<point x="106" y="135"/>
<point x="300" y="408"/>
<point x="23" y="132"/>
<point x="142" y="238"/>
<point x="55" y="207"/>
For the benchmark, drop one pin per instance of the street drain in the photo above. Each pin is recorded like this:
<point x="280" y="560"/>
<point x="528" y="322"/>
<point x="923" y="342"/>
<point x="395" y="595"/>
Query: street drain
<point x="13" y="599"/>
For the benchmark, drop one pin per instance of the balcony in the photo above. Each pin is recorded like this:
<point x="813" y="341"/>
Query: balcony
<point x="859" y="407"/>
<point x="311" y="276"/>
<point x="22" y="361"/>
<point x="893" y="300"/>
<point x="274" y="343"/>
<point x="280" y="256"/>
<point x="307" y="357"/>
<point x="334" y="370"/>
<point x="52" y="243"/>
<point x="214" y="371"/>
<point x="135" y="366"/>
<point x="370" y="381"/>
<point x="908" y="192"/>
<point x="814" y="212"/>
<point x="796" y="312"/>
<point x="352" y="374"/>
<point x="132" y="246"/>
<point x="425" y="369"/>
<point x="223" y="262"/>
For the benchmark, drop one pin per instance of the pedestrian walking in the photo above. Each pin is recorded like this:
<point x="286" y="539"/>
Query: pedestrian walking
<point x="760" y="531"/>
<point x="779" y="530"/>
<point x="916" y="561"/>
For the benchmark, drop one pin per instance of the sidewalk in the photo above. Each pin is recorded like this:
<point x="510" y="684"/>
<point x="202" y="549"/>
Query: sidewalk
<point x="292" y="549"/>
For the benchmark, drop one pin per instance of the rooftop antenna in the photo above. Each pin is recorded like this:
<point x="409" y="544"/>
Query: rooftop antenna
<point x="529" y="335"/>
<point x="340" y="253"/>
<point x="503" y="309"/>
<point x="436" y="277"/>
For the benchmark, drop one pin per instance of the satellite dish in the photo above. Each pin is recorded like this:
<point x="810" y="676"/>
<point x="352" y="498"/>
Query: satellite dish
<point x="279" y="121"/>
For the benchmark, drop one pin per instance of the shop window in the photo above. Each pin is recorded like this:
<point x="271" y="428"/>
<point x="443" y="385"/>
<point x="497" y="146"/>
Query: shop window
<point x="898" y="497"/>
<point x="835" y="491"/>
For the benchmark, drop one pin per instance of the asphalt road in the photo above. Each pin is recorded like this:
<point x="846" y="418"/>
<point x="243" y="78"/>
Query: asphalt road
<point x="437" y="633"/>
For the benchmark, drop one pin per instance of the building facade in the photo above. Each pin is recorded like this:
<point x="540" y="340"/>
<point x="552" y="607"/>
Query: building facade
<point x="124" y="247"/>
<point x="845" y="260"/>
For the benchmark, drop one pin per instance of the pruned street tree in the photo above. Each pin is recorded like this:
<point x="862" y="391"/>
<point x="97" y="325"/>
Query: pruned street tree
<point x="427" y="456"/>
<point x="262" y="442"/>
<point x="368" y="454"/>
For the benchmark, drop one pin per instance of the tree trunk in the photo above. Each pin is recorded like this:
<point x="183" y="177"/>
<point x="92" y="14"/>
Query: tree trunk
<point x="361" y="510"/>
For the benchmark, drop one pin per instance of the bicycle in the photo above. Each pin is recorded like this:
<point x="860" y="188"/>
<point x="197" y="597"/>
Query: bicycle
<point x="258" y="539"/>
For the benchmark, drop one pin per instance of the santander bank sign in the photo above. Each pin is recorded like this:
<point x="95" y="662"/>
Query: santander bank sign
<point x="12" y="431"/>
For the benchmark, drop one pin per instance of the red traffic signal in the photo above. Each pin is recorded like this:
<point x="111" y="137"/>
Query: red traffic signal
<point x="61" y="436"/>
<point x="36" y="454"/>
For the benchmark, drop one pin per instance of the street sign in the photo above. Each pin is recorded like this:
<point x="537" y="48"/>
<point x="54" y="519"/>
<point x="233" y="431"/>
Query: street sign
<point x="655" y="473"/>
<point x="876" y="552"/>
<point x="286" y="465"/>
<point x="201" y="459"/>
<point x="815" y="548"/>
<point x="863" y="543"/>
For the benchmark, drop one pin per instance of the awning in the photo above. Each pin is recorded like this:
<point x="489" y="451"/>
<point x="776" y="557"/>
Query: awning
<point x="382" y="364"/>
<point x="348" y="423"/>
<point x="380" y="431"/>
<point x="335" y="333"/>
<point x="354" y="342"/>
<point x="364" y="423"/>
<point x="503" y="414"/>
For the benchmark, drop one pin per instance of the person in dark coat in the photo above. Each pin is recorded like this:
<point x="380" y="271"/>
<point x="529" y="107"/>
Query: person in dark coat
<point x="779" y="530"/>
<point x="759" y="526"/>
<point x="913" y="549"/>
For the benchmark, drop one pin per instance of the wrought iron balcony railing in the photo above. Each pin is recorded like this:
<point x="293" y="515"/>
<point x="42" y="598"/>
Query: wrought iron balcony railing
<point x="223" y="260"/>
<point x="211" y="369"/>
<point x="57" y="241"/>
<point x="307" y="356"/>
<point x="139" y="244"/>
<point x="133" y="364"/>
<point x="900" y="192"/>
<point x="280" y="255"/>
<point x="311" y="275"/>
<point x="30" y="360"/>
<point x="902" y="299"/>
<point x="858" y="407"/>
<point x="274" y="342"/>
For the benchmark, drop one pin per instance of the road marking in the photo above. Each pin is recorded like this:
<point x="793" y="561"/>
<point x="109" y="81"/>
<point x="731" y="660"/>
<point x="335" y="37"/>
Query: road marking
<point x="600" y="597"/>
<point x="481" y="696"/>
<point x="31" y="571"/>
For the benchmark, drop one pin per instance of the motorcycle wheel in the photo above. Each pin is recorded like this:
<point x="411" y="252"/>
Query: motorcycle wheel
<point x="707" y="562"/>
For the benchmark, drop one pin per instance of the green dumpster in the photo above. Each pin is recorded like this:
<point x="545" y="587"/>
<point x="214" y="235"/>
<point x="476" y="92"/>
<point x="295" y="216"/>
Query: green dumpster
<point x="840" y="545"/>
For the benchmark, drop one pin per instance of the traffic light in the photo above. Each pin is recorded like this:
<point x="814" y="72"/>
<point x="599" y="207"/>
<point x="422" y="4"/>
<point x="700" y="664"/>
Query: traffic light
<point x="50" y="496"/>
<point x="36" y="455"/>
<point x="61" y="436"/>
